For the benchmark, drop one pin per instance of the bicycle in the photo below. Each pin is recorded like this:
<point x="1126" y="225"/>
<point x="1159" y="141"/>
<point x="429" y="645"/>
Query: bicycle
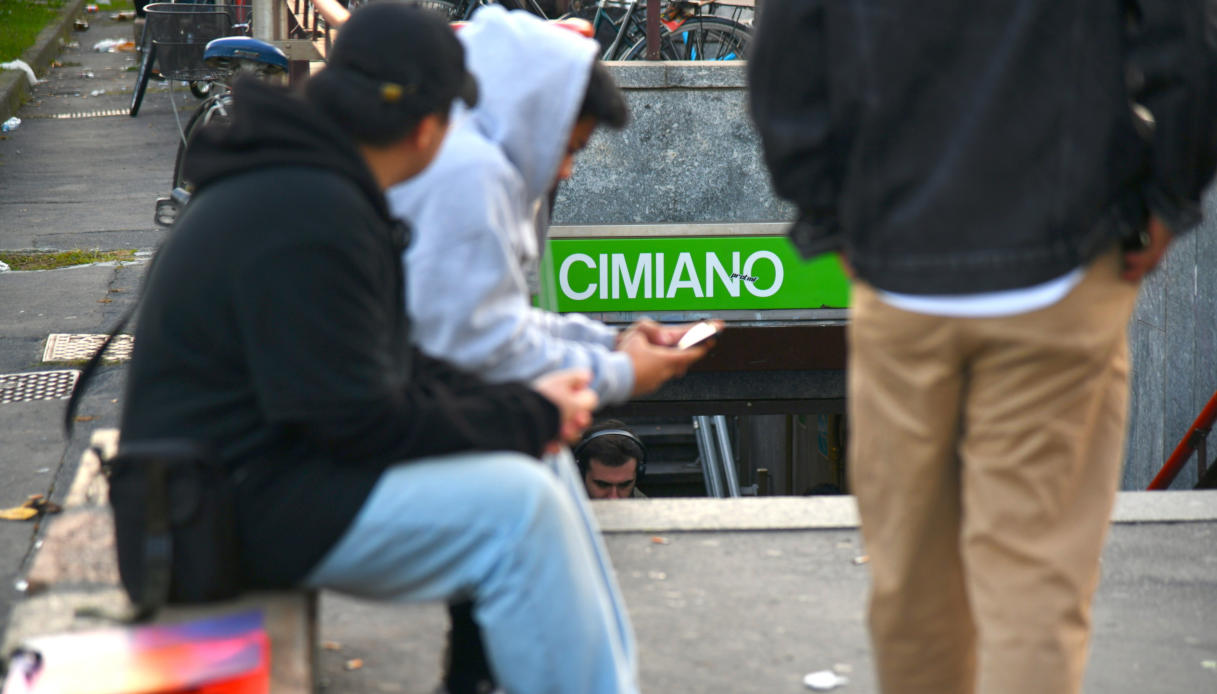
<point x="224" y="59"/>
<point x="174" y="37"/>
<point x="702" y="37"/>
<point x="620" y="27"/>
<point x="462" y="10"/>
<point x="685" y="32"/>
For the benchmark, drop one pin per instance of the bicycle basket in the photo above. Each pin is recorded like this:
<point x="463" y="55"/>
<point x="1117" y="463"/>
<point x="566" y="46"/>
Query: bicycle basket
<point x="180" y="32"/>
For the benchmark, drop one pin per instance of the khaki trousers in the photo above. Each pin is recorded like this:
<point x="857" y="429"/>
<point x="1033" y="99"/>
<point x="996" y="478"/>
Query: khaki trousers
<point x="985" y="456"/>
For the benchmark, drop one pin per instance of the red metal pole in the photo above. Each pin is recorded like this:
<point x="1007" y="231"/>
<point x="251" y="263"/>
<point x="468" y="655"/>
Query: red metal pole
<point x="1184" y="450"/>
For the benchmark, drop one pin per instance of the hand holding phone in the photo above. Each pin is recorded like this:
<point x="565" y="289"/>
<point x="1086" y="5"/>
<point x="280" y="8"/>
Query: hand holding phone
<point x="699" y="333"/>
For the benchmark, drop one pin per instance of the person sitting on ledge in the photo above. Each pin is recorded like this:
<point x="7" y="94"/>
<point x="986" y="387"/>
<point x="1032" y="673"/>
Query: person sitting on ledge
<point x="274" y="329"/>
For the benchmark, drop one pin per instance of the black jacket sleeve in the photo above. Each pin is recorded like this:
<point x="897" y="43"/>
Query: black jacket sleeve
<point x="458" y="380"/>
<point x="328" y="362"/>
<point x="804" y="145"/>
<point x="432" y="419"/>
<point x="1172" y="66"/>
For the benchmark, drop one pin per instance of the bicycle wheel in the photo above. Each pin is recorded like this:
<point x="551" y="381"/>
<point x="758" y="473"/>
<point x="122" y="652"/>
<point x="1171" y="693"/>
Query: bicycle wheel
<point x="452" y="11"/>
<point x="607" y="23"/>
<point x="141" y="77"/>
<point x="699" y="38"/>
<point x="216" y="109"/>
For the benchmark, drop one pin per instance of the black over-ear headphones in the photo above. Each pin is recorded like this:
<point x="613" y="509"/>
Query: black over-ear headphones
<point x="642" y="462"/>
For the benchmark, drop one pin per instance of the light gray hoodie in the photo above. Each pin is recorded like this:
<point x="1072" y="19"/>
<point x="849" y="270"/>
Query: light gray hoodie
<point x="473" y="211"/>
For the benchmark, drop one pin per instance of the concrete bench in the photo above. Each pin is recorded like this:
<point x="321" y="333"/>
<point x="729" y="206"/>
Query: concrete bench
<point x="74" y="576"/>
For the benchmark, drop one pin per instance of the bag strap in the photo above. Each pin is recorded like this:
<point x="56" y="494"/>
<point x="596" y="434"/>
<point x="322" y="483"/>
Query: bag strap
<point x="69" y="414"/>
<point x="158" y="542"/>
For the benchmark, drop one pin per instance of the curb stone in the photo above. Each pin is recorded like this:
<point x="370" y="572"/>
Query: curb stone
<point x="14" y="86"/>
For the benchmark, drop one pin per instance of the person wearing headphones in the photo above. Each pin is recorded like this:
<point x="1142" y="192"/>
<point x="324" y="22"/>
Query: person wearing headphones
<point x="612" y="461"/>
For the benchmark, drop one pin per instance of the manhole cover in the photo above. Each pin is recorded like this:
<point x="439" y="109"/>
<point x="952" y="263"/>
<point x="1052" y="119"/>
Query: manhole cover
<point x="82" y="347"/>
<point x="37" y="385"/>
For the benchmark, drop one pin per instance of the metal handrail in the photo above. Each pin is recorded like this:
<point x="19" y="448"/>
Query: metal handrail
<point x="1195" y="440"/>
<point x="711" y="472"/>
<point x="724" y="452"/>
<point x="714" y="450"/>
<point x="331" y="11"/>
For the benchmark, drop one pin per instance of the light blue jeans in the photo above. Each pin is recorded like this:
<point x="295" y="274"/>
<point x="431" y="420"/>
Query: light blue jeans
<point x="515" y="536"/>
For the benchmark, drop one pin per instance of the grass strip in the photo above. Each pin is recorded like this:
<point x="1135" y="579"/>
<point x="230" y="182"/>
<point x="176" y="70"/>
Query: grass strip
<point x="20" y="23"/>
<point x="49" y="260"/>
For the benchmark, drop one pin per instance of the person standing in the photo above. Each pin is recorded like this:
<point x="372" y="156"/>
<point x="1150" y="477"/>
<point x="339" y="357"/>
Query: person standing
<point x="999" y="176"/>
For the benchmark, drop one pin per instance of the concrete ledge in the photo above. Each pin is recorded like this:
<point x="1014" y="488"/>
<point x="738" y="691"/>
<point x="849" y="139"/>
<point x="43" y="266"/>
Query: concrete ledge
<point x="61" y="612"/>
<point x="290" y="620"/>
<point x="13" y="83"/>
<point x="752" y="513"/>
<point x="688" y="74"/>
<point x="1165" y="507"/>
<point x="78" y="549"/>
<point x="76" y="569"/>
<point x="829" y="512"/>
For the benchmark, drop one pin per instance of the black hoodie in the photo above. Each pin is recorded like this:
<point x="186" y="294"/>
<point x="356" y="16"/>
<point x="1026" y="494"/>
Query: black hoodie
<point x="960" y="147"/>
<point x="274" y="328"/>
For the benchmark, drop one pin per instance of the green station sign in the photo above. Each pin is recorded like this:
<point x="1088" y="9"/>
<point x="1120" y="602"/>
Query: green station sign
<point x="687" y="274"/>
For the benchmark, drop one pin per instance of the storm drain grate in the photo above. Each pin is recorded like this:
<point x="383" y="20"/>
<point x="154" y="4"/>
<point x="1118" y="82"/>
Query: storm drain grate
<point x="100" y="113"/>
<point x="37" y="385"/>
<point x="81" y="347"/>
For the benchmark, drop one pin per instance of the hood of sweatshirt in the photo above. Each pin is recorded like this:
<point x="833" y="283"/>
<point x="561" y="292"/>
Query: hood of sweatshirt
<point x="531" y="83"/>
<point x="273" y="126"/>
<point x="473" y="211"/>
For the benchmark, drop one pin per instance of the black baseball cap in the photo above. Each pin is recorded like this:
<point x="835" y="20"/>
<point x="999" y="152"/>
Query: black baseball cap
<point x="408" y="54"/>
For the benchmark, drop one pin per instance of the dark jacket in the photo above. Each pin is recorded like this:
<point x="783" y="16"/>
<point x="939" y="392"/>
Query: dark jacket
<point x="274" y="328"/>
<point x="962" y="146"/>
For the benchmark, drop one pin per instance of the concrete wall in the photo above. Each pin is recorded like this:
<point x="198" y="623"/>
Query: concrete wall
<point x="689" y="154"/>
<point x="1173" y="338"/>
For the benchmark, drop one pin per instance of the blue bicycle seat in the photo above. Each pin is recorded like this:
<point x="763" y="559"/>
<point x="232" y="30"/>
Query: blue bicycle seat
<point x="222" y="52"/>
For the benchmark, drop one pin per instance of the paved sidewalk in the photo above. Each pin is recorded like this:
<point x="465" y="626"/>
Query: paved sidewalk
<point x="82" y="182"/>
<point x="752" y="612"/>
<point x="743" y="597"/>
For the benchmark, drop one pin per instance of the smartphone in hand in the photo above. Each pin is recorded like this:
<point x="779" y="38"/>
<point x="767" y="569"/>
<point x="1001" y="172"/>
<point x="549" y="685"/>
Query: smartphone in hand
<point x="699" y="333"/>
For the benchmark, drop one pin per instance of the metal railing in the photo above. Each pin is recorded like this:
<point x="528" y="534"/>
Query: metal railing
<point x="1195" y="441"/>
<point x="717" y="463"/>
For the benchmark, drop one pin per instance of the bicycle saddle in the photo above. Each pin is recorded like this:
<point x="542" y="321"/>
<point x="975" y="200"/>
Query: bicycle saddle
<point x="225" y="52"/>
